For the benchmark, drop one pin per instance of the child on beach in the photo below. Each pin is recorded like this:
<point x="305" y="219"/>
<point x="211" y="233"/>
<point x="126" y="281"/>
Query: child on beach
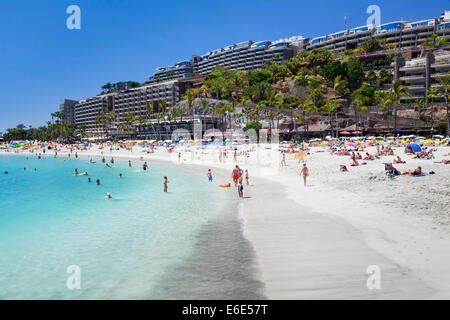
<point x="240" y="188"/>
<point x="209" y="175"/>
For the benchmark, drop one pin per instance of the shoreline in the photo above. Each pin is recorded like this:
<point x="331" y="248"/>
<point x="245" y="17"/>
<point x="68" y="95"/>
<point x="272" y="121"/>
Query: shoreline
<point x="291" y="263"/>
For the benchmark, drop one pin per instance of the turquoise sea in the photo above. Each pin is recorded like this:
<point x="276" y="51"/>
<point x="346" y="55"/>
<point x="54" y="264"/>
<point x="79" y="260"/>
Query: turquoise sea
<point x="142" y="244"/>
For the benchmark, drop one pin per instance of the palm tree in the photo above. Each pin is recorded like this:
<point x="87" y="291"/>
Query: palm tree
<point x="386" y="99"/>
<point x="306" y="105"/>
<point x="205" y="103"/>
<point x="329" y="108"/>
<point x="398" y="91"/>
<point x="432" y="93"/>
<point x="339" y="87"/>
<point x="445" y="82"/>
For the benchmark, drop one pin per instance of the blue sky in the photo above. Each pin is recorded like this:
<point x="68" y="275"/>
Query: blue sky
<point x="43" y="62"/>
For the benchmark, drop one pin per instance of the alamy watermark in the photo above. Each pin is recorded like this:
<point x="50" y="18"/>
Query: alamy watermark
<point x="74" y="280"/>
<point x="74" y="20"/>
<point x="374" y="277"/>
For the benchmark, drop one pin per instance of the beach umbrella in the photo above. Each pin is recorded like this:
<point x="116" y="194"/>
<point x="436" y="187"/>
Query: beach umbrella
<point x="344" y="132"/>
<point x="414" y="147"/>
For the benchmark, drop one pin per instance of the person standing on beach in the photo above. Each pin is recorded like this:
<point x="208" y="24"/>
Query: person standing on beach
<point x="209" y="175"/>
<point x="283" y="159"/>
<point x="129" y="163"/>
<point x="246" y="176"/>
<point x="165" y="182"/>
<point x="240" y="188"/>
<point x="305" y="173"/>
<point x="235" y="174"/>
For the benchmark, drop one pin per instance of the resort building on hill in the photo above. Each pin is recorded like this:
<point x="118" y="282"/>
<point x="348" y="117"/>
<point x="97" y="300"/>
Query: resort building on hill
<point x="422" y="73"/>
<point x="398" y="34"/>
<point x="247" y="55"/>
<point x="67" y="107"/>
<point x="134" y="101"/>
<point x="418" y="68"/>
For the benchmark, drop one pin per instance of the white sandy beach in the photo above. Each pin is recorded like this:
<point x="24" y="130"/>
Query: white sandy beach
<point x="316" y="242"/>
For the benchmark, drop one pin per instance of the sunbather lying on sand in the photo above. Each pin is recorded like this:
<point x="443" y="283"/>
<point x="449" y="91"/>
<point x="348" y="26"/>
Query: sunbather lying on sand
<point x="416" y="172"/>
<point x="398" y="160"/>
<point x="443" y="161"/>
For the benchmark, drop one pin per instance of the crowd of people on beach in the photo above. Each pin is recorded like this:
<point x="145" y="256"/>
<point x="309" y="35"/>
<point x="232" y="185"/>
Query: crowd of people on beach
<point x="359" y="154"/>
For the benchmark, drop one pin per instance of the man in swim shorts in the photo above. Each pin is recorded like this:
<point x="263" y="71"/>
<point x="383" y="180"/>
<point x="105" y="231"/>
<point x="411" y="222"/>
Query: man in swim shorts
<point x="236" y="173"/>
<point x="305" y="173"/>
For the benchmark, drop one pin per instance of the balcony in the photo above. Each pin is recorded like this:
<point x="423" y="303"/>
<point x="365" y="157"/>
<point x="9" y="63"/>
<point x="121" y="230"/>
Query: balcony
<point x="441" y="65"/>
<point x="413" y="78"/>
<point x="412" y="68"/>
<point x="415" y="87"/>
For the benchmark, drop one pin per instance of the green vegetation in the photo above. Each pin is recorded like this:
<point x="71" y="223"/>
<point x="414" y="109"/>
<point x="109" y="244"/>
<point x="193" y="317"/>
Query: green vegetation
<point x="56" y="129"/>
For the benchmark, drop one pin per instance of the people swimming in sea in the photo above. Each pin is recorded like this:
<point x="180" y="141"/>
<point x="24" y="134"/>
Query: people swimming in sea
<point x="103" y="160"/>
<point x="6" y="172"/>
<point x="108" y="165"/>
<point x="145" y="166"/>
<point x="209" y="175"/>
<point x="165" y="182"/>
<point x="76" y="172"/>
<point x="112" y="160"/>
<point x="89" y="179"/>
<point x="108" y="195"/>
<point x="98" y="182"/>
<point x="129" y="163"/>
<point x="120" y="175"/>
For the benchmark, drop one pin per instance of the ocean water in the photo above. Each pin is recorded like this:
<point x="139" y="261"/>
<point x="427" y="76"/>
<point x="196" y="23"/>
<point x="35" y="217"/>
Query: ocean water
<point x="142" y="244"/>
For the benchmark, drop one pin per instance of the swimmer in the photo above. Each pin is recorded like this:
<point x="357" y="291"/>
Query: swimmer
<point x="129" y="163"/>
<point x="98" y="182"/>
<point x="165" y="182"/>
<point x="89" y="179"/>
<point x="120" y="176"/>
<point x="108" y="195"/>
<point x="76" y="172"/>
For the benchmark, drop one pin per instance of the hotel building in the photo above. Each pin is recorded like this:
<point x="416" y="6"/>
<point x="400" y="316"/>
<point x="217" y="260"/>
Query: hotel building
<point x="400" y="34"/>
<point x="247" y="55"/>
